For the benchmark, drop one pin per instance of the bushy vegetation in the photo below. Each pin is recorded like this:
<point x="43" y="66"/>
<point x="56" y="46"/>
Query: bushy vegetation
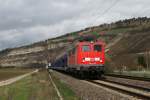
<point x="141" y="61"/>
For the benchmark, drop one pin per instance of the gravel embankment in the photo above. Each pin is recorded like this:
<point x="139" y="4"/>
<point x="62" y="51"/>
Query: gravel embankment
<point x="87" y="91"/>
<point x="129" y="81"/>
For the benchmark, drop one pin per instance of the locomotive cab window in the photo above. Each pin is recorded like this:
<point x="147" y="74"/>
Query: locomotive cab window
<point x="85" y="48"/>
<point x="97" y="48"/>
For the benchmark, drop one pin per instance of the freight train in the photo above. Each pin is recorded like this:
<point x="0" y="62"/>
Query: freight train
<point x="85" y="59"/>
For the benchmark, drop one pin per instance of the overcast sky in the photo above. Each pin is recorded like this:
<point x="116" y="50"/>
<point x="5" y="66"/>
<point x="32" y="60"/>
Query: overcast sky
<point x="27" y="21"/>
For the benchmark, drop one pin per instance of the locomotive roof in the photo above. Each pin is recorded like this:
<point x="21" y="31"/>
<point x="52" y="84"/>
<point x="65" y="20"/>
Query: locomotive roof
<point x="87" y="42"/>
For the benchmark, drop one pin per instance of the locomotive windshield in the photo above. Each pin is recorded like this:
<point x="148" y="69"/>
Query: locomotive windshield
<point x="85" y="48"/>
<point x="97" y="48"/>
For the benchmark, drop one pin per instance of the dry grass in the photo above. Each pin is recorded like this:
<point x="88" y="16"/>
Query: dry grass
<point x="6" y="73"/>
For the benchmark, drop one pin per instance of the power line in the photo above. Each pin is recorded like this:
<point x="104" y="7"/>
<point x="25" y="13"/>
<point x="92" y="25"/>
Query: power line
<point x="106" y="10"/>
<point x="111" y="6"/>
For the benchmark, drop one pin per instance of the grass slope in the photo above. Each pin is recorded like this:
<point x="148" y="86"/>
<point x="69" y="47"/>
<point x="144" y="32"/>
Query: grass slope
<point x="34" y="87"/>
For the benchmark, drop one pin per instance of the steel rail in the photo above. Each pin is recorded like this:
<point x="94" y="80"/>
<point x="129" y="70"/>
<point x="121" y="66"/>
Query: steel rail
<point x="133" y="91"/>
<point x="129" y="77"/>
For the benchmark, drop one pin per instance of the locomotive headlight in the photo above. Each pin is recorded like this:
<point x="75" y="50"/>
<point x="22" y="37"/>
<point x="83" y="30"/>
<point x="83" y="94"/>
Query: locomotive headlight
<point x="97" y="59"/>
<point x="87" y="59"/>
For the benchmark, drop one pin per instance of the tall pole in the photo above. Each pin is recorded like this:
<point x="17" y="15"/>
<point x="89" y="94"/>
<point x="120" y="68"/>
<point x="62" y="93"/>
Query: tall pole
<point x="146" y="58"/>
<point x="47" y="53"/>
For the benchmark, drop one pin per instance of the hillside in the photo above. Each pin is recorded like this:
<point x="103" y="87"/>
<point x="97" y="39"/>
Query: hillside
<point x="125" y="40"/>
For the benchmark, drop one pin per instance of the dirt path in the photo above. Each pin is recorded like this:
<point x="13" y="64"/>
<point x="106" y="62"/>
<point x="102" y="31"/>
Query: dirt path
<point x="12" y="80"/>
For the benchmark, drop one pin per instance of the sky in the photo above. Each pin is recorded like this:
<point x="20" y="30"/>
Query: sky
<point x="27" y="21"/>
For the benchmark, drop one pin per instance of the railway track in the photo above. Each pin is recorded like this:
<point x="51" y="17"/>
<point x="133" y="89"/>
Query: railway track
<point x="133" y="91"/>
<point x="138" y="92"/>
<point x="124" y="88"/>
<point x="129" y="77"/>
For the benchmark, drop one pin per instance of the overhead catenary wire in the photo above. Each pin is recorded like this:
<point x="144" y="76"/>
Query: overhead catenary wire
<point x="105" y="11"/>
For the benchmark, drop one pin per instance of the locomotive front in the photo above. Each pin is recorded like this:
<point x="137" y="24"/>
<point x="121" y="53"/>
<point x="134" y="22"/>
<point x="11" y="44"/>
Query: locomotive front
<point x="91" y="56"/>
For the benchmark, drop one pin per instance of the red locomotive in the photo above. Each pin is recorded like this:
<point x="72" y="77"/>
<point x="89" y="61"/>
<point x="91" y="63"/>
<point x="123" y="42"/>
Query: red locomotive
<point x="85" y="59"/>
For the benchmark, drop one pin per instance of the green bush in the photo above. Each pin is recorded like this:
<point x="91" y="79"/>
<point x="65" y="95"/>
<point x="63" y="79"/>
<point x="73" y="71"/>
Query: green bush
<point x="141" y="61"/>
